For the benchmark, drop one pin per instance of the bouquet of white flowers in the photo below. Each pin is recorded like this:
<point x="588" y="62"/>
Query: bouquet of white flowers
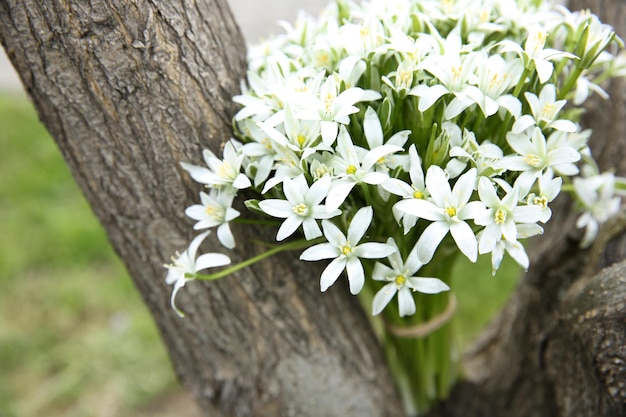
<point x="392" y="136"/>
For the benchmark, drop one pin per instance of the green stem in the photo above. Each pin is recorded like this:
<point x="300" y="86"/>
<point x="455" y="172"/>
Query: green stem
<point x="522" y="81"/>
<point x="570" y="82"/>
<point x="295" y="245"/>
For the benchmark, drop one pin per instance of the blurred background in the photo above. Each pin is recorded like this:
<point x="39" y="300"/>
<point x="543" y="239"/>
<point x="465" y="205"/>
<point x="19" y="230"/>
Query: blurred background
<point x="75" y="337"/>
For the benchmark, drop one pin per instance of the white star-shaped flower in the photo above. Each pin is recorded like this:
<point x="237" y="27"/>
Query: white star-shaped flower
<point x="215" y="210"/>
<point x="302" y="207"/>
<point x="502" y="215"/>
<point x="597" y="195"/>
<point x="185" y="266"/>
<point x="353" y="170"/>
<point x="417" y="188"/>
<point x="401" y="281"/>
<point x="448" y="211"/>
<point x="220" y="172"/>
<point x="346" y="251"/>
<point x="537" y="157"/>
<point x="332" y="108"/>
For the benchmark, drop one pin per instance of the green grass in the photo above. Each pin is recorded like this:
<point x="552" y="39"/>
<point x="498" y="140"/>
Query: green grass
<point x="75" y="338"/>
<point x="480" y="295"/>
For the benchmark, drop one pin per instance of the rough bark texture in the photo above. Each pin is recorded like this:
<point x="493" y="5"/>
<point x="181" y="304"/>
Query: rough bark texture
<point x="130" y="88"/>
<point x="559" y="346"/>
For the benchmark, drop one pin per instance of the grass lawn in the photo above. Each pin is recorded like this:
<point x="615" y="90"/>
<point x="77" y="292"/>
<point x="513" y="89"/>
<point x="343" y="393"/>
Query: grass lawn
<point x="75" y="339"/>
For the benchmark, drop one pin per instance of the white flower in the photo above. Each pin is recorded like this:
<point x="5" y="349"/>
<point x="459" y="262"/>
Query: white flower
<point x="401" y="281"/>
<point x="549" y="189"/>
<point x="417" y="189"/>
<point x="544" y="108"/>
<point x="290" y="166"/>
<point x="453" y="73"/>
<point x="346" y="251"/>
<point x="215" y="210"/>
<point x="302" y="207"/>
<point x="351" y="170"/>
<point x="331" y="107"/>
<point x="495" y="77"/>
<point x="259" y="154"/>
<point x="373" y="131"/>
<point x="597" y="196"/>
<point x="448" y="212"/>
<point x="483" y="156"/>
<point x="501" y="217"/>
<point x="537" y="157"/>
<point x="515" y="249"/>
<point x="300" y="136"/>
<point x="535" y="52"/>
<point x="220" y="172"/>
<point x="185" y="266"/>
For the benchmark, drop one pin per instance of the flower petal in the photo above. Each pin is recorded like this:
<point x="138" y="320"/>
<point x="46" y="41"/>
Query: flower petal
<point x="320" y="251"/>
<point x="373" y="250"/>
<point x="277" y="208"/>
<point x="438" y="186"/>
<point x="289" y="226"/>
<point x="211" y="260"/>
<point x="331" y="273"/>
<point x="428" y="285"/>
<point x="383" y="297"/>
<point x="225" y="236"/>
<point x="406" y="303"/>
<point x="430" y="240"/>
<point x="311" y="229"/>
<point x="372" y="128"/>
<point x="329" y="132"/>
<point x="356" y="275"/>
<point x="465" y="239"/>
<point x="420" y="208"/>
<point x="359" y="224"/>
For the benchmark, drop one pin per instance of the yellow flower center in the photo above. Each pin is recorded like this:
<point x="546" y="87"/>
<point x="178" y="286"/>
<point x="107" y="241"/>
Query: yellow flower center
<point x="224" y="170"/>
<point x="346" y="249"/>
<point x="541" y="202"/>
<point x="267" y="143"/>
<point x="400" y="280"/>
<point x="495" y="80"/>
<point x="328" y="102"/>
<point x="301" y="209"/>
<point x="451" y="211"/>
<point x="418" y="194"/>
<point x="500" y="217"/>
<point x="532" y="160"/>
<point x="538" y="42"/>
<point x="405" y="78"/>
<point x="320" y="171"/>
<point x="548" y="110"/>
<point x="351" y="170"/>
<point x="211" y="211"/>
<point x="301" y="139"/>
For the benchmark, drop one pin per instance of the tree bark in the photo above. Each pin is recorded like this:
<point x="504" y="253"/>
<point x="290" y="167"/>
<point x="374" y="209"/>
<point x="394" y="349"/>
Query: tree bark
<point x="129" y="89"/>
<point x="558" y="348"/>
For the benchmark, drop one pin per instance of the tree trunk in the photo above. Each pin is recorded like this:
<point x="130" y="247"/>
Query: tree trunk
<point x="129" y="89"/>
<point x="558" y="348"/>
